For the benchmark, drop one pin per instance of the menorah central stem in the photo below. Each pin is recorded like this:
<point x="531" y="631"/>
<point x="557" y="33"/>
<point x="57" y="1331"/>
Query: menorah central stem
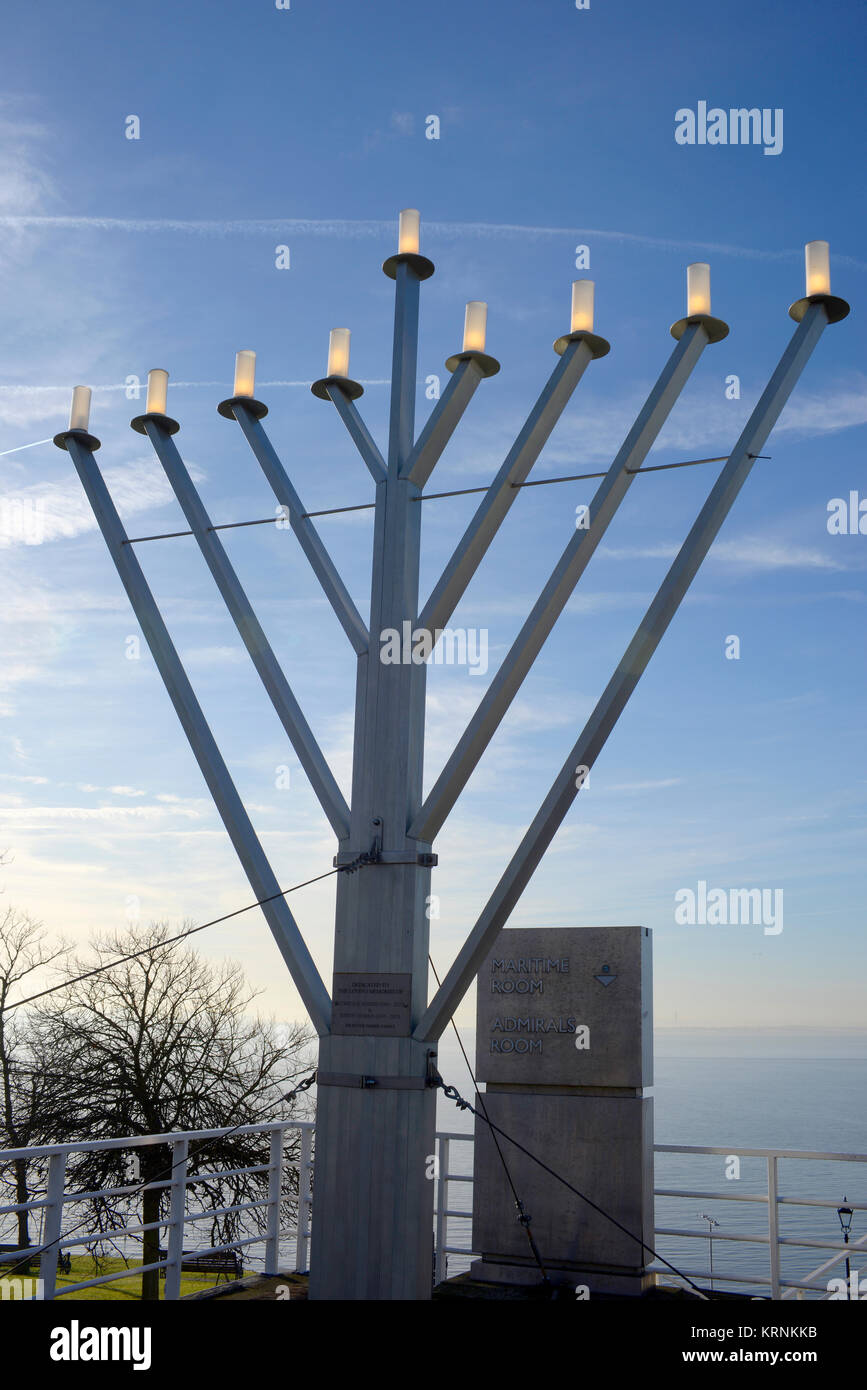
<point x="373" y="1213"/>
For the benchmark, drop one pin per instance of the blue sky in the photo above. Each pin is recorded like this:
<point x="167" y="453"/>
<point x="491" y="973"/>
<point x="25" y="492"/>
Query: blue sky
<point x="306" y="127"/>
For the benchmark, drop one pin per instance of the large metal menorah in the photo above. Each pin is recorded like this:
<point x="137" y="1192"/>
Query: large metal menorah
<point x="373" y="1202"/>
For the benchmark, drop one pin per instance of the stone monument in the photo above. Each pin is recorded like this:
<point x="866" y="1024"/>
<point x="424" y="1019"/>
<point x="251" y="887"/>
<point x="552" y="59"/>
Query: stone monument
<point x="564" y="1045"/>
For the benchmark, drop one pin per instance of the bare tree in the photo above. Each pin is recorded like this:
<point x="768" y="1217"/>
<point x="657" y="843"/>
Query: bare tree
<point x="27" y="1085"/>
<point x="164" y="1043"/>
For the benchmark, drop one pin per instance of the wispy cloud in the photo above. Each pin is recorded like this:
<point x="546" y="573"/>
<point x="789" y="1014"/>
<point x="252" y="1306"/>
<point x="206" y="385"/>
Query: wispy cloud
<point x="747" y="553"/>
<point x="24" y="186"/>
<point x="705" y="416"/>
<point x="658" y="785"/>
<point x="60" y="511"/>
<point x="46" y="815"/>
<point x="403" y="122"/>
<point x="766" y="553"/>
<point x="215" y="656"/>
<point x="702" y="423"/>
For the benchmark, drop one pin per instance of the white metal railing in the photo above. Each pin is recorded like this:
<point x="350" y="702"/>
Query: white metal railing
<point x="56" y="1199"/>
<point x="442" y="1211"/>
<point x="778" y="1286"/>
<point x="835" y="1260"/>
<point x="54" y="1202"/>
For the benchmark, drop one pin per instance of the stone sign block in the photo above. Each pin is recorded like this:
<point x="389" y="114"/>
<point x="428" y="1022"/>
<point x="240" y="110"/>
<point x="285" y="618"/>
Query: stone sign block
<point x="564" y="1044"/>
<point x="603" y="1146"/>
<point x="566" y="1007"/>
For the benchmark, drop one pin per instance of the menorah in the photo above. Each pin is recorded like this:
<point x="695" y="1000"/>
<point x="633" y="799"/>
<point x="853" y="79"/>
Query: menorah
<point x="378" y="1031"/>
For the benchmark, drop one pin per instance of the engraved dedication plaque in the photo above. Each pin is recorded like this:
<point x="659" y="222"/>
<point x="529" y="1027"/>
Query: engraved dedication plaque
<point x="371" y="1004"/>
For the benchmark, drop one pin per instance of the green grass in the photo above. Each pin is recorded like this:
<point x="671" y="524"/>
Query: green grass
<point x="123" y="1290"/>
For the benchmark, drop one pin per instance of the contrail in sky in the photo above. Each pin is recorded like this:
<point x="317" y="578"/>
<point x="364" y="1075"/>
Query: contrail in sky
<point x="378" y="228"/>
<point x="19" y="447"/>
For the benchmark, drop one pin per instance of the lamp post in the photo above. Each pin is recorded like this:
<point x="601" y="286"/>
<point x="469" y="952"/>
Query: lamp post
<point x="378" y="1030"/>
<point x="845" y="1215"/>
<point x="710" y="1225"/>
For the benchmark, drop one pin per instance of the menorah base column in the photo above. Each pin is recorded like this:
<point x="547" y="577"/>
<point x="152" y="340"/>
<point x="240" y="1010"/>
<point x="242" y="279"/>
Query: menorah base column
<point x="372" y="1230"/>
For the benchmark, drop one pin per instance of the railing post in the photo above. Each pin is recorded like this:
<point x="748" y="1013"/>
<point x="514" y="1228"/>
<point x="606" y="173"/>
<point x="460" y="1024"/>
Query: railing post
<point x="177" y="1208"/>
<point x="275" y="1184"/>
<point x="442" y="1203"/>
<point x="773" y="1231"/>
<point x="53" y="1224"/>
<point x="302" y="1236"/>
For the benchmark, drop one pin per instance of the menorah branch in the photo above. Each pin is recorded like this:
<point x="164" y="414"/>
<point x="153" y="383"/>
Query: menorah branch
<point x="358" y="431"/>
<point x="443" y="420"/>
<point x="495" y="505"/>
<point x="320" y="561"/>
<point x="285" y="930"/>
<point x="288" y="710"/>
